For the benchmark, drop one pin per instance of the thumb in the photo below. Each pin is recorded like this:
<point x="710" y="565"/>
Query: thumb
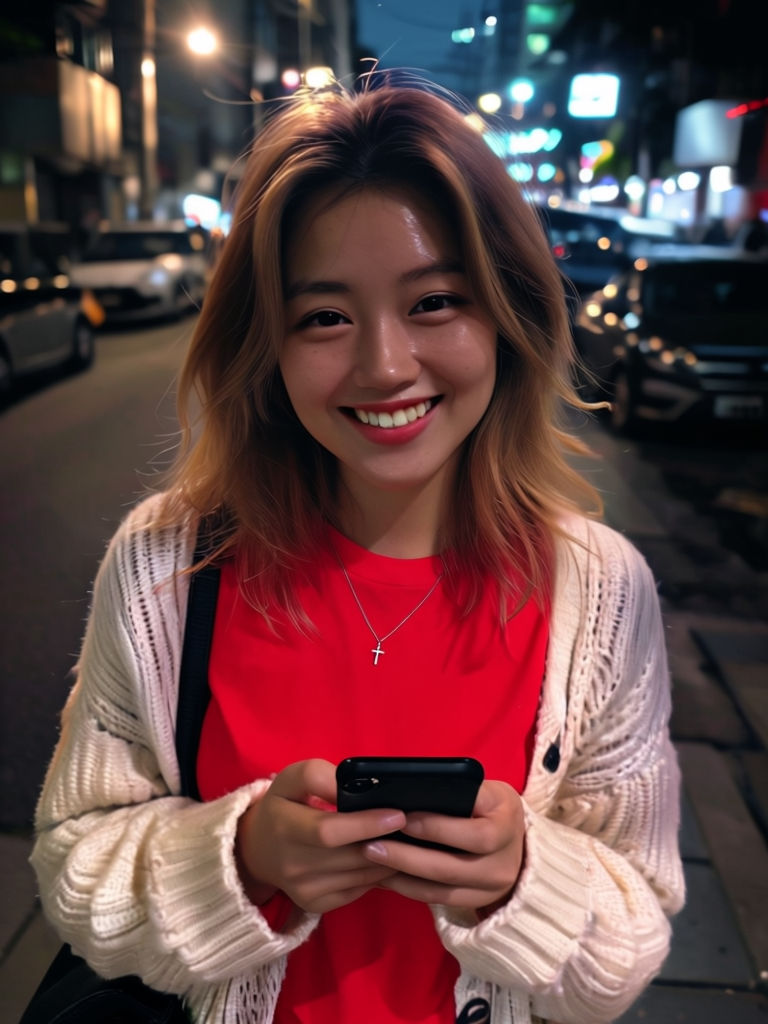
<point x="307" y="782"/>
<point x="490" y="797"/>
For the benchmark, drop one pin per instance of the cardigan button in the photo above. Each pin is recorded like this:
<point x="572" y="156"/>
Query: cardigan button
<point x="552" y="758"/>
<point x="476" y="1011"/>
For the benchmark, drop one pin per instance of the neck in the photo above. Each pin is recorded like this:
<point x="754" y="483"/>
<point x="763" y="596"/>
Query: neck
<point x="398" y="524"/>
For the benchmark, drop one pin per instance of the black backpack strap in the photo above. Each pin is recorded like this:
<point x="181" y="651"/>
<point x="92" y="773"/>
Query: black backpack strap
<point x="194" y="692"/>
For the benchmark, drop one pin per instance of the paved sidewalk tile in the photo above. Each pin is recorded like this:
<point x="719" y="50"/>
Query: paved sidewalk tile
<point x="736" y="847"/>
<point x="23" y="971"/>
<point x="19" y="888"/>
<point x="671" y="1004"/>
<point x="707" y="947"/>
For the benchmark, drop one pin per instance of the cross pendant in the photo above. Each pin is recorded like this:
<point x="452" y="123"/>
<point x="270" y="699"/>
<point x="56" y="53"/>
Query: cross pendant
<point x="376" y="651"/>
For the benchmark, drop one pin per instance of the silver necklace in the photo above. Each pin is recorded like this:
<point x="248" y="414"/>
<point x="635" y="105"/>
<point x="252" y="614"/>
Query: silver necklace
<point x="378" y="650"/>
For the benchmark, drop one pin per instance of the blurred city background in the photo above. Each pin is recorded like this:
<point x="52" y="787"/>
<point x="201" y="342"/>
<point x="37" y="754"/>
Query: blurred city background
<point x="639" y="132"/>
<point x="141" y="108"/>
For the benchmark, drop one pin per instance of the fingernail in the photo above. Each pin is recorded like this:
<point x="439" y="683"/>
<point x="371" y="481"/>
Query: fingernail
<point x="393" y="821"/>
<point x="376" y="849"/>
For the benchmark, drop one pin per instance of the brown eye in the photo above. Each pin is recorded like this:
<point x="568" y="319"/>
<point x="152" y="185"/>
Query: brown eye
<point x="435" y="303"/>
<point x="325" y="318"/>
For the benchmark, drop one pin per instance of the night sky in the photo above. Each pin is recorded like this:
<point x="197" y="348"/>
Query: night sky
<point x="404" y="33"/>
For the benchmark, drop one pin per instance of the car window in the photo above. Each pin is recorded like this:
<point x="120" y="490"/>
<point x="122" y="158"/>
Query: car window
<point x="130" y="245"/>
<point x="569" y="226"/>
<point x="703" y="289"/>
<point x="18" y="258"/>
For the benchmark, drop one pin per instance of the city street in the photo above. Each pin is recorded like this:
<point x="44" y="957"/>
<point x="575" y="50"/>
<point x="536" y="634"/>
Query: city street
<point x="77" y="452"/>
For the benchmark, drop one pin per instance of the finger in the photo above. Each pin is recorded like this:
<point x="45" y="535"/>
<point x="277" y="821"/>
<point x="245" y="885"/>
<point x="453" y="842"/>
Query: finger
<point x="330" y="829"/>
<point x="490" y="876"/>
<point x="446" y="867"/>
<point x="341" y="881"/>
<point x="305" y="779"/>
<point x="354" y="827"/>
<point x="321" y="904"/>
<point x="425" y="891"/>
<point x="480" y="836"/>
<point x="492" y="797"/>
<point x="325" y="892"/>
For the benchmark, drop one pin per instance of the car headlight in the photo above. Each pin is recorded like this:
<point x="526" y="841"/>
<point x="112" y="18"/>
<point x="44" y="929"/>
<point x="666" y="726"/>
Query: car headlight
<point x="158" y="277"/>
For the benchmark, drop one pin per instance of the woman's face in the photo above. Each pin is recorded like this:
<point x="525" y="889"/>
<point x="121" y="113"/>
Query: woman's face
<point x="388" y="360"/>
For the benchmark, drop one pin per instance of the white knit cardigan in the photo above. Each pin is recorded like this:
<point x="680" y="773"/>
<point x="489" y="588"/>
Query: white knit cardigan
<point x="142" y="881"/>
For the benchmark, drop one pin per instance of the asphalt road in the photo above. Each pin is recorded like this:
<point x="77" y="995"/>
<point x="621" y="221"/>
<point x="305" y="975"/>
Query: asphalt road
<point x="76" y="453"/>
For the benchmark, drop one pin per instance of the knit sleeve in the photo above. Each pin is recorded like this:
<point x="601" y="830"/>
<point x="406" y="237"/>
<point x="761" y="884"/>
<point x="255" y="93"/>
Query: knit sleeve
<point x="587" y="928"/>
<point x="139" y="880"/>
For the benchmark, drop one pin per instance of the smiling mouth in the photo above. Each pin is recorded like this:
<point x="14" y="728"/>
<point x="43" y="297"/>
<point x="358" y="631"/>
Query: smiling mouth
<point x="399" y="418"/>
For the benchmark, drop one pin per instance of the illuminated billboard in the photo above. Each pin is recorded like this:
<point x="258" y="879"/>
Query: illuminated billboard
<point x="594" y="95"/>
<point x="706" y="136"/>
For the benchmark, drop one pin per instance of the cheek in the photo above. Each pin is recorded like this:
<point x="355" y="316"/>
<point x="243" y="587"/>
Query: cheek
<point x="309" y="375"/>
<point x="475" y="359"/>
<point x="294" y="377"/>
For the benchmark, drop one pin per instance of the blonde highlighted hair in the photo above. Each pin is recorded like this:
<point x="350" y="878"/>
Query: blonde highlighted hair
<point x="250" y="460"/>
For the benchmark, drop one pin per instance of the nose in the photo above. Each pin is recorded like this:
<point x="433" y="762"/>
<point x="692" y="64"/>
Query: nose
<point x="386" y="356"/>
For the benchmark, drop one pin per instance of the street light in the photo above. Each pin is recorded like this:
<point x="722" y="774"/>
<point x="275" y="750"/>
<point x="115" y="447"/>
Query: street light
<point x="521" y="90"/>
<point x="318" y="77"/>
<point x="202" y="41"/>
<point x="489" y="102"/>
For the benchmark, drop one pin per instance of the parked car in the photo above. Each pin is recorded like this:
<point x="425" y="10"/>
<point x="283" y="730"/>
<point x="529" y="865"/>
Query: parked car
<point x="591" y="246"/>
<point x="142" y="271"/>
<point x="44" y="321"/>
<point x="680" y="337"/>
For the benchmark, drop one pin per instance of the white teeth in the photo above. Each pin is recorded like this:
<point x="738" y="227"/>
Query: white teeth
<point x="399" y="418"/>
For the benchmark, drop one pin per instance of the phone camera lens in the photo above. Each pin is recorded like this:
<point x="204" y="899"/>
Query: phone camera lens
<point x="361" y="785"/>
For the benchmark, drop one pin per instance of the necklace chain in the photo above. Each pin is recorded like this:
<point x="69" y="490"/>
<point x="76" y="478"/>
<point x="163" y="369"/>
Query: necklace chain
<point x="378" y="650"/>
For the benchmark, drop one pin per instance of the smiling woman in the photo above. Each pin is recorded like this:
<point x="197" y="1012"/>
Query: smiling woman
<point x="388" y="361"/>
<point x="407" y="566"/>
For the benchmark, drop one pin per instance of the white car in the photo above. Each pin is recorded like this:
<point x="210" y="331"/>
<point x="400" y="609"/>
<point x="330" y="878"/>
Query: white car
<point x="44" y="322"/>
<point x="144" y="271"/>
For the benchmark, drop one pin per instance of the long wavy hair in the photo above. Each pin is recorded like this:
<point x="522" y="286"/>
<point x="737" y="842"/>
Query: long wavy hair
<point x="246" y="458"/>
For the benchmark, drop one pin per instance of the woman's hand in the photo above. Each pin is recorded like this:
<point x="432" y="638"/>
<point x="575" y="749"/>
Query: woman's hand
<point x="481" y="874"/>
<point x="288" y="840"/>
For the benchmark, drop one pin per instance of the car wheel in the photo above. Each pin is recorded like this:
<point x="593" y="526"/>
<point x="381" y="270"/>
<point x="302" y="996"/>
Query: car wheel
<point x="623" y="417"/>
<point x="6" y="377"/>
<point x="83" y="345"/>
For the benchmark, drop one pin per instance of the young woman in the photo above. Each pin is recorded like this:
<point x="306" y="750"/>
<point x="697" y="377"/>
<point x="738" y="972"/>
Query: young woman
<point x="381" y="365"/>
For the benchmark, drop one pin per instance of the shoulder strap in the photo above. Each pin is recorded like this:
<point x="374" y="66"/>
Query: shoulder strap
<point x="194" y="692"/>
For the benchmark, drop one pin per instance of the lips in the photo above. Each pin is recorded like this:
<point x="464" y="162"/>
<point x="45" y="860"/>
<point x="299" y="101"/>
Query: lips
<point x="388" y="419"/>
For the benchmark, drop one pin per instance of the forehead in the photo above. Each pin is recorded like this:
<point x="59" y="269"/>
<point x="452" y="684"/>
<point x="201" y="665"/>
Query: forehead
<point x="336" y="220"/>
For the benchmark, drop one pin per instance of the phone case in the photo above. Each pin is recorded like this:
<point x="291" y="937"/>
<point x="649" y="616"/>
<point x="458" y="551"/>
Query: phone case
<point x="443" y="785"/>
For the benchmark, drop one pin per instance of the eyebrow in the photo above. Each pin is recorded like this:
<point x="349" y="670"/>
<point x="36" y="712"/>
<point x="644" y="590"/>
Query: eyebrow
<point x="318" y="287"/>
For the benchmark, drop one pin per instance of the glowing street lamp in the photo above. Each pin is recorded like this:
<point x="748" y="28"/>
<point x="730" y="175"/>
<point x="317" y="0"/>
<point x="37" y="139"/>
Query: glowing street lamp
<point x="318" y="77"/>
<point x="489" y="102"/>
<point x="521" y="90"/>
<point x="202" y="41"/>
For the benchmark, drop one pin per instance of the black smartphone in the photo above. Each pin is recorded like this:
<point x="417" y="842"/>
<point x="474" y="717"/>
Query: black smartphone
<point x="443" y="785"/>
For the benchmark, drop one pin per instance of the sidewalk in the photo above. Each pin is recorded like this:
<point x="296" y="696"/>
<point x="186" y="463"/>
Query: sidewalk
<point x="717" y="641"/>
<point x="717" y="970"/>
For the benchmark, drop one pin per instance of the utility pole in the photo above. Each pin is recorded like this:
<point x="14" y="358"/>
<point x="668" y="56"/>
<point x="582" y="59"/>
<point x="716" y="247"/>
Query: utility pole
<point x="148" y="112"/>
<point x="304" y="16"/>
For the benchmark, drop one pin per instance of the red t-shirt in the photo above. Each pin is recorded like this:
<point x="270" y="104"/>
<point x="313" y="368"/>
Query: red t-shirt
<point x="446" y="685"/>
